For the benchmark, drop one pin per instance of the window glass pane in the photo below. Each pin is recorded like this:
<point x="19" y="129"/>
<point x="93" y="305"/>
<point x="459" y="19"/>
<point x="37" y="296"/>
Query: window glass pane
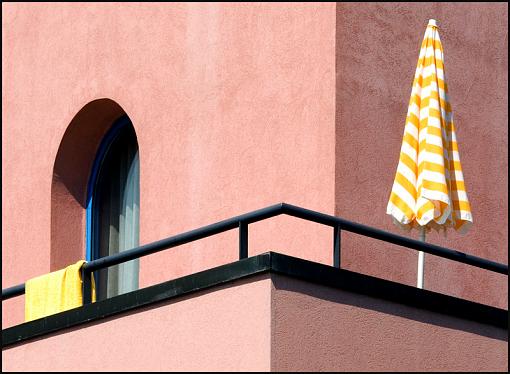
<point x="116" y="212"/>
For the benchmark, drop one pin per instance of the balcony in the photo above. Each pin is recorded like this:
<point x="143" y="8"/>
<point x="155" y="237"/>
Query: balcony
<point x="268" y="312"/>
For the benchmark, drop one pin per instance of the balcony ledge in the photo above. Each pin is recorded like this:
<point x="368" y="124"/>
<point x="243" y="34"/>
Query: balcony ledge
<point x="270" y="262"/>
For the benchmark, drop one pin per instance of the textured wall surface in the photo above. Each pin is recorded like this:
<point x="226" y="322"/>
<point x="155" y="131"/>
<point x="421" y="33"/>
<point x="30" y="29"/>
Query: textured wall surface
<point x="377" y="48"/>
<point x="270" y="323"/>
<point x="194" y="333"/>
<point x="233" y="106"/>
<point x="236" y="107"/>
<point x="317" y="328"/>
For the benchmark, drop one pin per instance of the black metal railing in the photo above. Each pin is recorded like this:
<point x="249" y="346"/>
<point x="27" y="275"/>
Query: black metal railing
<point x="241" y="222"/>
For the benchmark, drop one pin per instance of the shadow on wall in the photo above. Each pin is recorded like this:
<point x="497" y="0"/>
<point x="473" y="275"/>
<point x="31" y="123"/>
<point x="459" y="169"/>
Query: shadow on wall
<point x="71" y="171"/>
<point x="331" y="295"/>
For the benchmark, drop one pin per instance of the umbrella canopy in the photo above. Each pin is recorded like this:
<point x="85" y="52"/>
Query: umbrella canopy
<point x="429" y="189"/>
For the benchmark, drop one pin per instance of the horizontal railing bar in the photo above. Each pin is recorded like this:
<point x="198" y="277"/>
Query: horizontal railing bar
<point x="13" y="291"/>
<point x="386" y="236"/>
<point x="196" y="234"/>
<point x="310" y="215"/>
<point x="269" y="212"/>
<point x="173" y="241"/>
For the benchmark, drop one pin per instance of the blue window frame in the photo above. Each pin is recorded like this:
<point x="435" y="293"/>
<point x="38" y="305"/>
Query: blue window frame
<point x="113" y="200"/>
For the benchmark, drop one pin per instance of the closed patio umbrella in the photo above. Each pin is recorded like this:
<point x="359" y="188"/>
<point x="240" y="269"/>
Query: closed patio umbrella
<point x="429" y="191"/>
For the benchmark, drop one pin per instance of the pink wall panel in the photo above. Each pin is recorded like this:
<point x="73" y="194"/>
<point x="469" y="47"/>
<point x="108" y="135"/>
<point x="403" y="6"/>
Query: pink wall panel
<point x="317" y="328"/>
<point x="224" y="329"/>
<point x="268" y="323"/>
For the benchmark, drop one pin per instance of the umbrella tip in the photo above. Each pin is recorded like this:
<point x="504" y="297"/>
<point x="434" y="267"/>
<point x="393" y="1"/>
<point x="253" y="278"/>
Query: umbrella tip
<point x="433" y="22"/>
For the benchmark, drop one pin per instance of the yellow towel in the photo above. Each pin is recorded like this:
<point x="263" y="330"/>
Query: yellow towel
<point x="55" y="292"/>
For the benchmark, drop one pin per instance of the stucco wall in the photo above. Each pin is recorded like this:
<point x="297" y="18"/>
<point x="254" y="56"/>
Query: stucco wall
<point x="236" y="107"/>
<point x="233" y="106"/>
<point x="377" y="47"/>
<point x="269" y="323"/>
<point x="317" y="328"/>
<point x="194" y="333"/>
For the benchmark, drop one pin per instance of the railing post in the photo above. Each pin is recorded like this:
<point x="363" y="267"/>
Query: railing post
<point x="87" y="285"/>
<point x="243" y="240"/>
<point x="336" y="246"/>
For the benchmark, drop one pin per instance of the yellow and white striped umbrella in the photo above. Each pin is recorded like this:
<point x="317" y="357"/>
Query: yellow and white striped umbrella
<point x="429" y="189"/>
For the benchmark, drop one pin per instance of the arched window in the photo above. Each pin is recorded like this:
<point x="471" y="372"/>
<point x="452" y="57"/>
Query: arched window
<point x="113" y="208"/>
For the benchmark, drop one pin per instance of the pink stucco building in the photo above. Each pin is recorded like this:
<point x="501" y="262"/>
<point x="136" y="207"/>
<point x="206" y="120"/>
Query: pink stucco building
<point x="236" y="107"/>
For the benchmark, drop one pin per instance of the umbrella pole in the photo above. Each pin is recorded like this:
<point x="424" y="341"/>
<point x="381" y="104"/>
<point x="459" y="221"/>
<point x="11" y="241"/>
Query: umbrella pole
<point x="421" y="260"/>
